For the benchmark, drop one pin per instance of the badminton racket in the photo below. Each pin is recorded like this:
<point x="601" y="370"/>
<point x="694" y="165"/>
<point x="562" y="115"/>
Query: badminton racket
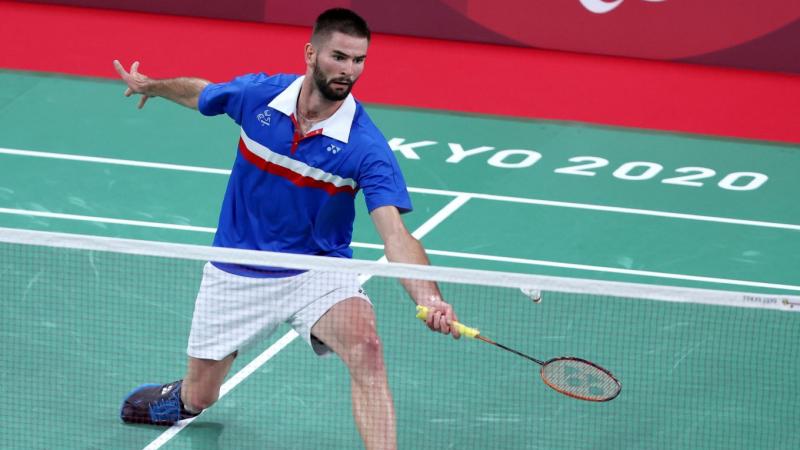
<point x="574" y="377"/>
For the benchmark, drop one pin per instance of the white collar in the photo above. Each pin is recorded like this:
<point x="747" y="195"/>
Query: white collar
<point x="336" y="126"/>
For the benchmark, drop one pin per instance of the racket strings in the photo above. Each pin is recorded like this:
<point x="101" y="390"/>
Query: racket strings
<point x="580" y="379"/>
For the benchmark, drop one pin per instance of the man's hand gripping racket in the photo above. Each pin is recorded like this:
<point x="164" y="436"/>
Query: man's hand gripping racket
<point x="570" y="376"/>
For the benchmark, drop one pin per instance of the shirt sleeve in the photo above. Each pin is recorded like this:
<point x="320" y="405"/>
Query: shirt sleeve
<point x="382" y="181"/>
<point x="228" y="98"/>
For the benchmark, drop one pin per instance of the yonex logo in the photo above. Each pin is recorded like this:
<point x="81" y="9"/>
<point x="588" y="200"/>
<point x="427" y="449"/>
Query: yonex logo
<point x="165" y="390"/>
<point x="333" y="149"/>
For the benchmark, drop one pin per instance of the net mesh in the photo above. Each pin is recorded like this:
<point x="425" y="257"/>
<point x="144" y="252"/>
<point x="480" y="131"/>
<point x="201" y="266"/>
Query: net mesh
<point x="86" y="320"/>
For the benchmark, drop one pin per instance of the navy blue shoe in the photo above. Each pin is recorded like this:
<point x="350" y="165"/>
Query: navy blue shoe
<point x="155" y="404"/>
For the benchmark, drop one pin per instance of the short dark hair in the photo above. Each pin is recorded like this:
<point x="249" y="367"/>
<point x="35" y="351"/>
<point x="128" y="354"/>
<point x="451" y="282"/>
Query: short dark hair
<point x="342" y="20"/>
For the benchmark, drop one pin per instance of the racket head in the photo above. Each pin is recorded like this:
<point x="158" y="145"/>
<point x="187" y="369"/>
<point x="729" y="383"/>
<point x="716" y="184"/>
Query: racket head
<point x="580" y="379"/>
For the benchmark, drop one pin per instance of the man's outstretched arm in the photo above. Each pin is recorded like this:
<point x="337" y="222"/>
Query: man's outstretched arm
<point x="401" y="246"/>
<point x="183" y="91"/>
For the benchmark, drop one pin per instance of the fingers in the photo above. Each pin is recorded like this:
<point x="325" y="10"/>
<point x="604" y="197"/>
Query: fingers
<point x="444" y="324"/>
<point x="130" y="79"/>
<point x="120" y="70"/>
<point x="451" y="317"/>
<point x="441" y="319"/>
<point x="435" y="319"/>
<point x="142" y="100"/>
<point x="125" y="77"/>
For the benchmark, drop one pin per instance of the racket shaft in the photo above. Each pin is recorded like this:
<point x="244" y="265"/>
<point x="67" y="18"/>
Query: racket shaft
<point x="508" y="349"/>
<point x="422" y="314"/>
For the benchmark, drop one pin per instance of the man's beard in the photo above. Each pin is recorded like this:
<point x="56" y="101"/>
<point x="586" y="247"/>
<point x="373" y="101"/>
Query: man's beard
<point x="325" y="88"/>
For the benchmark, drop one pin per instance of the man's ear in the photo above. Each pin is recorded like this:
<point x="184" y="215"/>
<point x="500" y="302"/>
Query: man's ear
<point x="310" y="54"/>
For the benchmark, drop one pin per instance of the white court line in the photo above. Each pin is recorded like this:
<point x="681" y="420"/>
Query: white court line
<point x="245" y="372"/>
<point x="287" y="338"/>
<point x="440" y="216"/>
<point x="440" y="192"/>
<point x="455" y="203"/>
<point x="614" y="209"/>
<point x="82" y="218"/>
<point x="115" y="161"/>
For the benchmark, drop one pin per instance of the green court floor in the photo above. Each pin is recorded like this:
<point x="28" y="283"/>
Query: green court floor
<point x="541" y="197"/>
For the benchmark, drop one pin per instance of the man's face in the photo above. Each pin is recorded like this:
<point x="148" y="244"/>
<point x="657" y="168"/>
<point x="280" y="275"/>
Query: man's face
<point x="338" y="62"/>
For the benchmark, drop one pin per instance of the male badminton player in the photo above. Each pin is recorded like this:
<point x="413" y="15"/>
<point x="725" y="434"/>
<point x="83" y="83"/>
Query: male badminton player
<point x="306" y="148"/>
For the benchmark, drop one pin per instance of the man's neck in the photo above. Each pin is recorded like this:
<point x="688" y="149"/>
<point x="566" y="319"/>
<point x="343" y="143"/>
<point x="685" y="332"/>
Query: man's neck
<point x="312" y="106"/>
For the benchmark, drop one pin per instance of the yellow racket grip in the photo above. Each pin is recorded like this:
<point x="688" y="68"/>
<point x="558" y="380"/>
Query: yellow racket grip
<point x="422" y="314"/>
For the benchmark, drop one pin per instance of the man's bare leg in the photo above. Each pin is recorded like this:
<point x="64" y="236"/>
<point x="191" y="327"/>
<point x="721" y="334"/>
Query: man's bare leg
<point x="349" y="330"/>
<point x="203" y="380"/>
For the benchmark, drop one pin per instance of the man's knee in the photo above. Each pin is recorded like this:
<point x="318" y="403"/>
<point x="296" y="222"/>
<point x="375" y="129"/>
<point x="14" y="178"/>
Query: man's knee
<point x="365" y="357"/>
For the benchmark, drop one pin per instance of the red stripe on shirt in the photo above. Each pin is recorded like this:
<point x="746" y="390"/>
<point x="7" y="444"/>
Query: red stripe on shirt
<point x="288" y="174"/>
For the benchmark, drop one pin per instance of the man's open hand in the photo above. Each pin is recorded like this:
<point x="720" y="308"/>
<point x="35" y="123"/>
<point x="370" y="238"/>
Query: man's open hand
<point x="137" y="82"/>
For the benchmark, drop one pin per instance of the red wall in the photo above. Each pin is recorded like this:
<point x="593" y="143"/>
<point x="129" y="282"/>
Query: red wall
<point x="752" y="34"/>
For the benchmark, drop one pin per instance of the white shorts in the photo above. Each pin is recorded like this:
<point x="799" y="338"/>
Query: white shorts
<point x="233" y="312"/>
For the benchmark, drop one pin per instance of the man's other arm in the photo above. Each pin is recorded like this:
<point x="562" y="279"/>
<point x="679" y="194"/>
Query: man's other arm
<point x="183" y="91"/>
<point x="400" y="246"/>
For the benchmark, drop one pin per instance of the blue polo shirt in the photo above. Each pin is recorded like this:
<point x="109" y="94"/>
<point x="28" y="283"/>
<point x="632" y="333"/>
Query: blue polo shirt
<point x="295" y="193"/>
